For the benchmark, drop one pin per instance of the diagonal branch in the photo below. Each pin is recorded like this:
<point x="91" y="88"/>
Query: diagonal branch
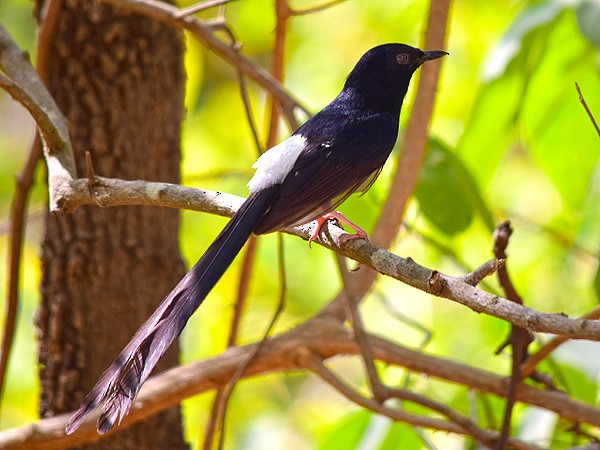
<point x="412" y="147"/>
<point x="528" y="367"/>
<point x="324" y="338"/>
<point x="170" y="15"/>
<point x="23" y="186"/>
<point x="200" y="7"/>
<point x="113" y="192"/>
<point x="465" y="426"/>
<point x="587" y="109"/>
<point x="353" y="316"/>
<point x="314" y="9"/>
<point x="519" y="338"/>
<point x="22" y="82"/>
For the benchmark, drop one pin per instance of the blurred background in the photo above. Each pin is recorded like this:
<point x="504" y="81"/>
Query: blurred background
<point x="509" y="140"/>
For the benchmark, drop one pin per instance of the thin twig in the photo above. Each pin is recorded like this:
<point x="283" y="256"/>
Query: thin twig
<point x="18" y="217"/>
<point x="314" y="364"/>
<point x="519" y="338"/>
<point x="282" y="14"/>
<point x="587" y="109"/>
<point x="395" y="313"/>
<point x="457" y="424"/>
<point x="248" y="111"/>
<point x="353" y="316"/>
<point x="16" y="233"/>
<point x="485" y="270"/>
<point x="471" y="428"/>
<point x="449" y="252"/>
<point x="242" y="294"/>
<point x="166" y="13"/>
<point x="89" y="169"/>
<point x="314" y="9"/>
<point x="216" y="414"/>
<point x="242" y="83"/>
<point x="184" y="12"/>
<point x="246" y="362"/>
<point x="528" y="367"/>
<point x="115" y="192"/>
<point x="214" y="419"/>
<point x="325" y="337"/>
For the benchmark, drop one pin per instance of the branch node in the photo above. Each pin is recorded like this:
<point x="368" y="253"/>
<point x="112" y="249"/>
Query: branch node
<point x="435" y="283"/>
<point x="306" y="358"/>
<point x="485" y="270"/>
<point x="26" y="56"/>
<point x="92" y="182"/>
<point x="501" y="235"/>
<point x="89" y="170"/>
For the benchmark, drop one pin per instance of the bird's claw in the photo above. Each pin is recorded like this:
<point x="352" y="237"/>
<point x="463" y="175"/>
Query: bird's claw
<point x="339" y="218"/>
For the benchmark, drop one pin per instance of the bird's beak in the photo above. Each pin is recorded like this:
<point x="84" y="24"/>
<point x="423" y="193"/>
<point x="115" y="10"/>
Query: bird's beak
<point x="431" y="54"/>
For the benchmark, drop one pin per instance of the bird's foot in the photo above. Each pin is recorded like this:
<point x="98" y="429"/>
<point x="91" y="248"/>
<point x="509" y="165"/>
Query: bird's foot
<point x="339" y="217"/>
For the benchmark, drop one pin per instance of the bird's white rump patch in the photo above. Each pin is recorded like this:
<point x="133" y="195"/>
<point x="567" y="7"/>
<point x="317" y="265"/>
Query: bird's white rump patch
<point x="275" y="164"/>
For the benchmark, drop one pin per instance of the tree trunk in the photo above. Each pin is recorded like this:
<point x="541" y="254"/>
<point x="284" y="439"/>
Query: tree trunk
<point x="119" y="80"/>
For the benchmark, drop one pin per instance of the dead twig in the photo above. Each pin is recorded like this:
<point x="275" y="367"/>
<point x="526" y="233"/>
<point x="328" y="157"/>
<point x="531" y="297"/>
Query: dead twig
<point x="168" y="14"/>
<point x="485" y="270"/>
<point x="528" y="367"/>
<point x="184" y="12"/>
<point x="314" y="9"/>
<point x="457" y="423"/>
<point x="325" y="337"/>
<point x="18" y="218"/>
<point x="587" y="109"/>
<point x="215" y="417"/>
<point x="377" y="388"/>
<point x="519" y="339"/>
<point x="228" y="390"/>
<point x="114" y="192"/>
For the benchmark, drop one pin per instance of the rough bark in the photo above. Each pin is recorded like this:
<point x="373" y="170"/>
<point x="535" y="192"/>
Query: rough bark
<point x="119" y="80"/>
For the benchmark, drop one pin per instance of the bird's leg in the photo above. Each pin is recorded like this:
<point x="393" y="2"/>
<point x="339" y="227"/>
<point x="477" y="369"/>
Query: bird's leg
<point x="336" y="215"/>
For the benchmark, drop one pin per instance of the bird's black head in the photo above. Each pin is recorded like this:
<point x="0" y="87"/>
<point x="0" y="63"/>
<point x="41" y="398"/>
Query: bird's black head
<point x="383" y="73"/>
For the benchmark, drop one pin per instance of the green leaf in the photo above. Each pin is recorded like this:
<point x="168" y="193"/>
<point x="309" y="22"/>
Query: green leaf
<point x="447" y="192"/>
<point x="531" y="96"/>
<point x="588" y="18"/>
<point x="578" y="384"/>
<point x="491" y="129"/>
<point x="512" y="43"/>
<point x="364" y="429"/>
<point x="347" y="432"/>
<point x="400" y="435"/>
<point x="554" y="124"/>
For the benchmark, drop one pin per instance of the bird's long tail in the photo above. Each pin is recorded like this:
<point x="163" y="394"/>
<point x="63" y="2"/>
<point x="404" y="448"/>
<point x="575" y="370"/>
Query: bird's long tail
<point x="120" y="383"/>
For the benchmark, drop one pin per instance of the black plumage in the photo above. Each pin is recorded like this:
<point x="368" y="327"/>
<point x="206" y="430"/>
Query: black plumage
<point x="339" y="151"/>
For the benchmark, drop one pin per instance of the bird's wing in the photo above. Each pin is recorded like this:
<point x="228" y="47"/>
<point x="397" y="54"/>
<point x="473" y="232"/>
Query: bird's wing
<point x="330" y="169"/>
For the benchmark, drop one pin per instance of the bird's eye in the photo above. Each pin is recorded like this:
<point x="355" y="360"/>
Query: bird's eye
<point x="402" y="58"/>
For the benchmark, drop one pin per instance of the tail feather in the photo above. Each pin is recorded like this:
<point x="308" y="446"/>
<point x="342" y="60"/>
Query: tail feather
<point x="120" y="383"/>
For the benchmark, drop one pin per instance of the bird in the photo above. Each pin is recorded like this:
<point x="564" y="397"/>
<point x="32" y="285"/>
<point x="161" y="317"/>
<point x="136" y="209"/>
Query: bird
<point x="337" y="152"/>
